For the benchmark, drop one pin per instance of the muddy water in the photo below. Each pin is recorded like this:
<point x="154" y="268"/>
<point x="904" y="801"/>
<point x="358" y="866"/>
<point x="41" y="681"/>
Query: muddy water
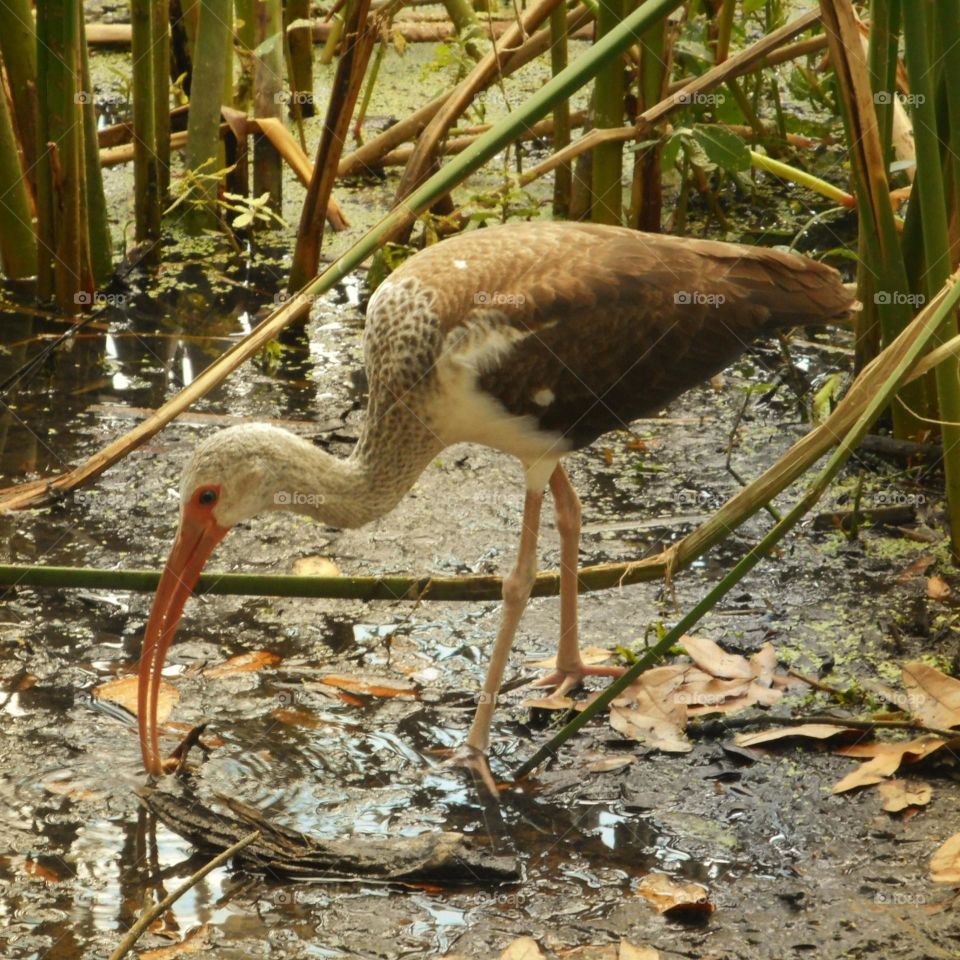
<point x="792" y="870"/>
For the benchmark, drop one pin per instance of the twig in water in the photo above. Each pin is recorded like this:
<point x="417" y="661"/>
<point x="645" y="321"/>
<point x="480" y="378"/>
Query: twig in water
<point x="155" y="911"/>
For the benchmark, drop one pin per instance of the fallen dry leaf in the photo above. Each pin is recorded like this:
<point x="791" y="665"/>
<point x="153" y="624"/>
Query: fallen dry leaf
<point x="608" y="951"/>
<point x="945" y="863"/>
<point x="124" y="692"/>
<point x="671" y="897"/>
<point x="627" y="951"/>
<point x="647" y="712"/>
<point x="813" y="731"/>
<point x="370" y="688"/>
<point x="711" y="657"/>
<point x="244" y="663"/>
<point x="764" y="664"/>
<point x="602" y="764"/>
<point x="657" y="732"/>
<point x="524" y="948"/>
<point x="549" y="703"/>
<point x="193" y="942"/>
<point x="938" y="589"/>
<point x="916" y="569"/>
<point x="590" y="655"/>
<point x="933" y="696"/>
<point x="885" y="759"/>
<point x="900" y="794"/>
<point x="315" y="567"/>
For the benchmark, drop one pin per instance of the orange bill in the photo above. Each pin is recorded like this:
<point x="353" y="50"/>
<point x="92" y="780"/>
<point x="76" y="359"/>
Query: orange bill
<point x="197" y="537"/>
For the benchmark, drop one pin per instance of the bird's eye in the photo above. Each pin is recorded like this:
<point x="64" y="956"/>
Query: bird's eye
<point x="207" y="497"/>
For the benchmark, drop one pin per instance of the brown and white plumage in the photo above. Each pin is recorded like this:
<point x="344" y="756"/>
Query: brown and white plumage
<point x="531" y="338"/>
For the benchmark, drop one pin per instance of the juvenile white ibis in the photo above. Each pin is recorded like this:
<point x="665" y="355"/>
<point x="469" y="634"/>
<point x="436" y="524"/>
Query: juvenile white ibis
<point x="532" y="338"/>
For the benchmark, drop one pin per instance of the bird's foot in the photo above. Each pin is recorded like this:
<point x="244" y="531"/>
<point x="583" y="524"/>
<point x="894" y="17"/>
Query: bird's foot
<point x="566" y="680"/>
<point x="474" y="760"/>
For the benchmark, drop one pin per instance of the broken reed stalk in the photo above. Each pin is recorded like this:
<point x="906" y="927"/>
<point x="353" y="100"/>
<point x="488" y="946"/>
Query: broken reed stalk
<point x="934" y="210"/>
<point x="738" y="509"/>
<point x="606" y="200"/>
<point x="99" y="240"/>
<point x="210" y="58"/>
<point x="267" y="100"/>
<point x="646" y="193"/>
<point x="18" y="48"/>
<point x="445" y="179"/>
<point x="159" y="909"/>
<point x="160" y="54"/>
<point x="300" y="47"/>
<point x="878" y="234"/>
<point x="359" y="38"/>
<point x="563" y="179"/>
<point x="881" y="379"/>
<point x="64" y="261"/>
<point x="146" y="162"/>
<point x="18" y="242"/>
<point x="882" y="65"/>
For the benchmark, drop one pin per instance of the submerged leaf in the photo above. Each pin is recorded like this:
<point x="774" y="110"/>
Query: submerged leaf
<point x="671" y="897"/>
<point x="370" y="688"/>
<point x="244" y="663"/>
<point x="124" y="692"/>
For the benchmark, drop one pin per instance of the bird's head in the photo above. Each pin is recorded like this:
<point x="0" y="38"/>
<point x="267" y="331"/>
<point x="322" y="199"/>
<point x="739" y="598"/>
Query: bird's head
<point x="232" y="476"/>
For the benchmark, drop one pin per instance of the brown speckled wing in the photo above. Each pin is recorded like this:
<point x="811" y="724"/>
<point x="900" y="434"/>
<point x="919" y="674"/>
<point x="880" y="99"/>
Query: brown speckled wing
<point x="587" y="328"/>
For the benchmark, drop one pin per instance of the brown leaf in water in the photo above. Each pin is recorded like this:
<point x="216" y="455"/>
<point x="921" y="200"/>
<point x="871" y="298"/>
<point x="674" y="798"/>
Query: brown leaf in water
<point x="523" y="948"/>
<point x="244" y="663"/>
<point x="124" y="692"/>
<point x="885" y="759"/>
<point x="945" y="863"/>
<point x="370" y="688"/>
<point x="934" y="697"/>
<point x="315" y="567"/>
<point x="549" y="703"/>
<point x="590" y="655"/>
<point x="599" y="763"/>
<point x="646" y="710"/>
<point x="938" y="589"/>
<point x="39" y="872"/>
<point x="193" y="942"/>
<point x="295" y="717"/>
<point x="712" y="658"/>
<point x="812" y="731"/>
<point x="915" y="569"/>
<point x="671" y="897"/>
<point x="900" y="794"/>
<point x="70" y="788"/>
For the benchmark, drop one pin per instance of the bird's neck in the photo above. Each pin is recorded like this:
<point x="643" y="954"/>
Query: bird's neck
<point x="352" y="491"/>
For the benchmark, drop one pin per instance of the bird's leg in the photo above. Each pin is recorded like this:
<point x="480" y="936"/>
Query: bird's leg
<point x="516" y="592"/>
<point x="570" y="666"/>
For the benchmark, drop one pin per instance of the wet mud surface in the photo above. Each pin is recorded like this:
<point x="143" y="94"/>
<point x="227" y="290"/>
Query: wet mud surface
<point x="793" y="871"/>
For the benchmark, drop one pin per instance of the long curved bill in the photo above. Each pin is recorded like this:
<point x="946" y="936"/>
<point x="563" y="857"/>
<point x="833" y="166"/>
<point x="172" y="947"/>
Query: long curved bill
<point x="196" y="539"/>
